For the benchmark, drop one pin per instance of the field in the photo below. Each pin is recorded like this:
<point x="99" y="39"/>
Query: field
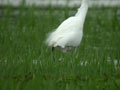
<point x="26" y="62"/>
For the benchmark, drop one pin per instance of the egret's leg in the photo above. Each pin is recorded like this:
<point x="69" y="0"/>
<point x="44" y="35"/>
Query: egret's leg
<point x="61" y="57"/>
<point x="53" y="53"/>
<point x="71" y="57"/>
<point x="74" y="55"/>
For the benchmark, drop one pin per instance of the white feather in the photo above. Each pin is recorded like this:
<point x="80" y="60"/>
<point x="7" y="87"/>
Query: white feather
<point x="70" y="31"/>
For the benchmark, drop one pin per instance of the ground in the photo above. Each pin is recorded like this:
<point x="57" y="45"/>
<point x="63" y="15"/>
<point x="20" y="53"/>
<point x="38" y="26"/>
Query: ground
<point x="26" y="62"/>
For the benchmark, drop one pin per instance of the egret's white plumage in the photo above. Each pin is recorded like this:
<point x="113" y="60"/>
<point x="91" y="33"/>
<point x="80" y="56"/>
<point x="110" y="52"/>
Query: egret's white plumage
<point x="69" y="33"/>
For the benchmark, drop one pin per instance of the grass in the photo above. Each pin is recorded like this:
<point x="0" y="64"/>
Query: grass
<point x="26" y="62"/>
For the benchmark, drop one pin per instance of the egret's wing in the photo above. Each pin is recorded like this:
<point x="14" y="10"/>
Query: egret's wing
<point x="63" y="39"/>
<point x="66" y="25"/>
<point x="63" y="33"/>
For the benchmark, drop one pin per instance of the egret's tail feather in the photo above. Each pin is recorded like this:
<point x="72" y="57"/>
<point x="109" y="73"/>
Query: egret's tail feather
<point x="50" y="39"/>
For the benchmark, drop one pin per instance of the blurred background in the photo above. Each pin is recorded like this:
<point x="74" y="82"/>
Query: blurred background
<point x="26" y="62"/>
<point x="59" y="3"/>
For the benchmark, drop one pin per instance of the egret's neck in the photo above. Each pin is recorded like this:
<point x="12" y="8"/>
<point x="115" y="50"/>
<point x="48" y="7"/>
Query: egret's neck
<point x="84" y="2"/>
<point x="82" y="11"/>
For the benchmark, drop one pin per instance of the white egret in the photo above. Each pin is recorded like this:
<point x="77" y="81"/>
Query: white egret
<point x="70" y="32"/>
